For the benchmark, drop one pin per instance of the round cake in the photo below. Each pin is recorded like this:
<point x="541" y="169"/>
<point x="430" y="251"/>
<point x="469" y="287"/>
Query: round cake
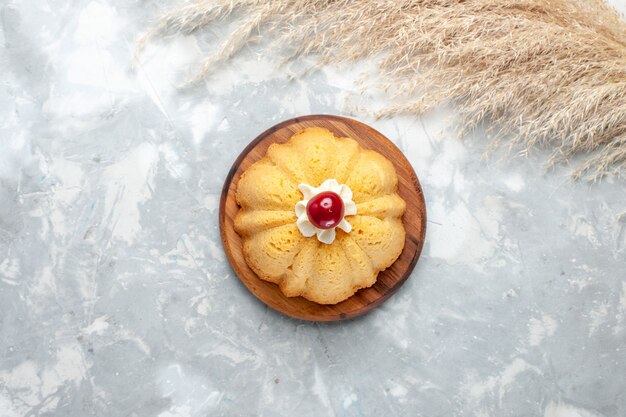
<point x="320" y="216"/>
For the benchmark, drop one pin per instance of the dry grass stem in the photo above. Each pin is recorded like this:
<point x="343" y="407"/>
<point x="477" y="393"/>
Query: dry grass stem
<point x="542" y="72"/>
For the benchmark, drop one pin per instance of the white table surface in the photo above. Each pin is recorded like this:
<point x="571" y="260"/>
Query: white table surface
<point x="116" y="298"/>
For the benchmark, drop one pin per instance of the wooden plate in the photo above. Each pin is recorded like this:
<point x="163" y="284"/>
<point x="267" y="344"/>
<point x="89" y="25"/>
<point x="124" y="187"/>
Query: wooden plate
<point x="388" y="281"/>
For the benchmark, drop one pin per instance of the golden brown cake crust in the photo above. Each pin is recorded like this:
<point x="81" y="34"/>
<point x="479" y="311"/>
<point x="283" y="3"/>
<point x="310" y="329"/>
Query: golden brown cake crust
<point x="273" y="246"/>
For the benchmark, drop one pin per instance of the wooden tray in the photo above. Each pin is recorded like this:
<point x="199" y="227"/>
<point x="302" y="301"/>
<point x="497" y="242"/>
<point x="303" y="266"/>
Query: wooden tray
<point x="388" y="281"/>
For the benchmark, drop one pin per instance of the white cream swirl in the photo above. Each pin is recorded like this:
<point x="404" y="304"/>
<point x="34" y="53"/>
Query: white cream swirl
<point x="305" y="226"/>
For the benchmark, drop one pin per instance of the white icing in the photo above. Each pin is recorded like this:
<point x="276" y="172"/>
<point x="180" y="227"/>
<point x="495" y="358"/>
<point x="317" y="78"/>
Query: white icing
<point x="307" y="229"/>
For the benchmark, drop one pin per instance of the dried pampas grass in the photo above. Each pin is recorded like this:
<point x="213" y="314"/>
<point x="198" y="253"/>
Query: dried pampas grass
<point x="542" y="72"/>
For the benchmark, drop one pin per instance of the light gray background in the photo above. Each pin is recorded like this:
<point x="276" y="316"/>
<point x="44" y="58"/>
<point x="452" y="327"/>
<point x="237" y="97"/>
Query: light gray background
<point x="116" y="298"/>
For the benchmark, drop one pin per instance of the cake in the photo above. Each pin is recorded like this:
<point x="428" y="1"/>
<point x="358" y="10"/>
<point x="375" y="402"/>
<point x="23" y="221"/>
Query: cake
<point x="320" y="216"/>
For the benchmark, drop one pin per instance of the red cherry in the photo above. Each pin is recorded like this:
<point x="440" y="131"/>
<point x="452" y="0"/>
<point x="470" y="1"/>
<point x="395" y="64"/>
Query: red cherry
<point x="325" y="210"/>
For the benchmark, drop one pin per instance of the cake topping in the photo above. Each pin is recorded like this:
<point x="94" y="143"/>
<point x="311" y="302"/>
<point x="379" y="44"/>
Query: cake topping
<point x="324" y="208"/>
